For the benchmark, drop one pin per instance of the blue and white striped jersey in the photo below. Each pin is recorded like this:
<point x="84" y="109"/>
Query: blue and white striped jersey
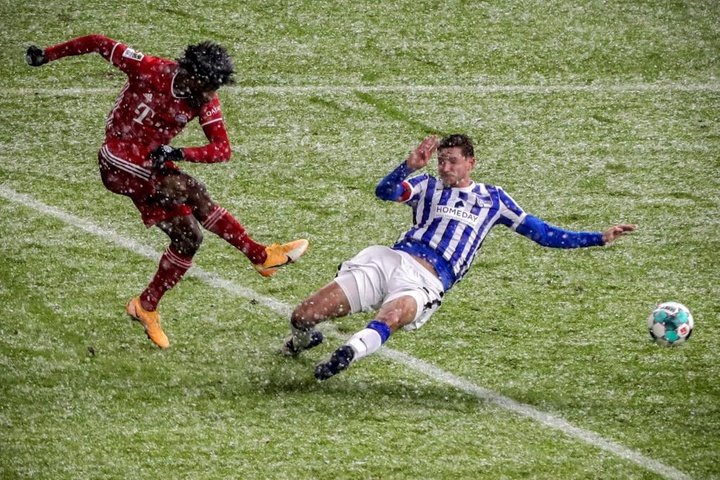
<point x="450" y="224"/>
<point x="453" y="222"/>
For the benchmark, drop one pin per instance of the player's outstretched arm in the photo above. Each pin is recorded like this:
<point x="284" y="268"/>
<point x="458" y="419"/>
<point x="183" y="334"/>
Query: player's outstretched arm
<point x="94" y="43"/>
<point x="552" y="236"/>
<point x="617" y="231"/>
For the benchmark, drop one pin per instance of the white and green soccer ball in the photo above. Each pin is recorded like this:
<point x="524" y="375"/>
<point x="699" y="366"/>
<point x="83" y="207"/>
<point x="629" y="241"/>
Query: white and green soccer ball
<point x="671" y="323"/>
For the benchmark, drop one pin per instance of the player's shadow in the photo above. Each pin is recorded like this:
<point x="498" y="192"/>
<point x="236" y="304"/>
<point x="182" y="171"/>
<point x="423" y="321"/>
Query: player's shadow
<point x="285" y="376"/>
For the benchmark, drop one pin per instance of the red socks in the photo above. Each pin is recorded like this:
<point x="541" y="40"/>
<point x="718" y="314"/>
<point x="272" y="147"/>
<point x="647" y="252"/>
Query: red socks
<point x="173" y="265"/>
<point x="223" y="224"/>
<point x="171" y="269"/>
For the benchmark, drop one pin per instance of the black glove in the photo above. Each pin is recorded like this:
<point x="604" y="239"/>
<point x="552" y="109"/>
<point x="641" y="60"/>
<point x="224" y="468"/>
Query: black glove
<point x="165" y="153"/>
<point x="35" y="56"/>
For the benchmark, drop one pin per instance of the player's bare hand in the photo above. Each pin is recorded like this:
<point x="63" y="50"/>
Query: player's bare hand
<point x="35" y="56"/>
<point x="420" y="157"/>
<point x="617" y="231"/>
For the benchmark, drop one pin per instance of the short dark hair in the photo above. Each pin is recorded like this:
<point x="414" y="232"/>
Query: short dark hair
<point x="208" y="62"/>
<point x="458" y="140"/>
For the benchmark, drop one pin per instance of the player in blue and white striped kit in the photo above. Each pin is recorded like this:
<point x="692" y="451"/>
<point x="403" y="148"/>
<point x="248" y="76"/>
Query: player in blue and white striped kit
<point x="452" y="215"/>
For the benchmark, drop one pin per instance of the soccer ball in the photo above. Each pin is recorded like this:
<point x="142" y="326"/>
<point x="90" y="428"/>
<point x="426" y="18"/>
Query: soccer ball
<point x="671" y="323"/>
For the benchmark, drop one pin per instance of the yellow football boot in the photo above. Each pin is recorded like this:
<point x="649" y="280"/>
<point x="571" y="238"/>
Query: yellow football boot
<point x="150" y="322"/>
<point x="281" y="255"/>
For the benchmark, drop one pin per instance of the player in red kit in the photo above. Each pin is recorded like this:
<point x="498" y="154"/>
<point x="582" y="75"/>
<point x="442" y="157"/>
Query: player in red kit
<point x="160" y="98"/>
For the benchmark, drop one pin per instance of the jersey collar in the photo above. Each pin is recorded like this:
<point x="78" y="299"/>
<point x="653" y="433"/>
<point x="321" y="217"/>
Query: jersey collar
<point x="172" y="86"/>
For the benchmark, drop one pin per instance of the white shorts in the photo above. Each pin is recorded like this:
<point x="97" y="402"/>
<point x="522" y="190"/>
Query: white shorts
<point x="378" y="274"/>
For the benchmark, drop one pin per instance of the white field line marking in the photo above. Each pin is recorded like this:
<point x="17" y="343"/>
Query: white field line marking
<point x="416" y="364"/>
<point x="481" y="89"/>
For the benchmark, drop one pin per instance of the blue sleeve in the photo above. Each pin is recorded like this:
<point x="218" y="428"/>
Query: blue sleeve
<point x="390" y="187"/>
<point x="550" y="236"/>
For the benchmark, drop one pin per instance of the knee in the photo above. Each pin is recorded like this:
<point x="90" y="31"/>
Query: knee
<point x="189" y="242"/>
<point x="393" y="320"/>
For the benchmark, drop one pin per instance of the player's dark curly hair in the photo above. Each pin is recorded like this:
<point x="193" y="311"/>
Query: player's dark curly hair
<point x="458" y="140"/>
<point x="209" y="62"/>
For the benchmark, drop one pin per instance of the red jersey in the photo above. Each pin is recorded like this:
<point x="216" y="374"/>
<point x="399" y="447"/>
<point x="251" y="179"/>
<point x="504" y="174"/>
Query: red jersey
<point x="148" y="113"/>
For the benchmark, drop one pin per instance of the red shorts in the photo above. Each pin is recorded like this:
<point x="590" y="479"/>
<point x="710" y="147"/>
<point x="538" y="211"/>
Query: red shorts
<point x="125" y="169"/>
